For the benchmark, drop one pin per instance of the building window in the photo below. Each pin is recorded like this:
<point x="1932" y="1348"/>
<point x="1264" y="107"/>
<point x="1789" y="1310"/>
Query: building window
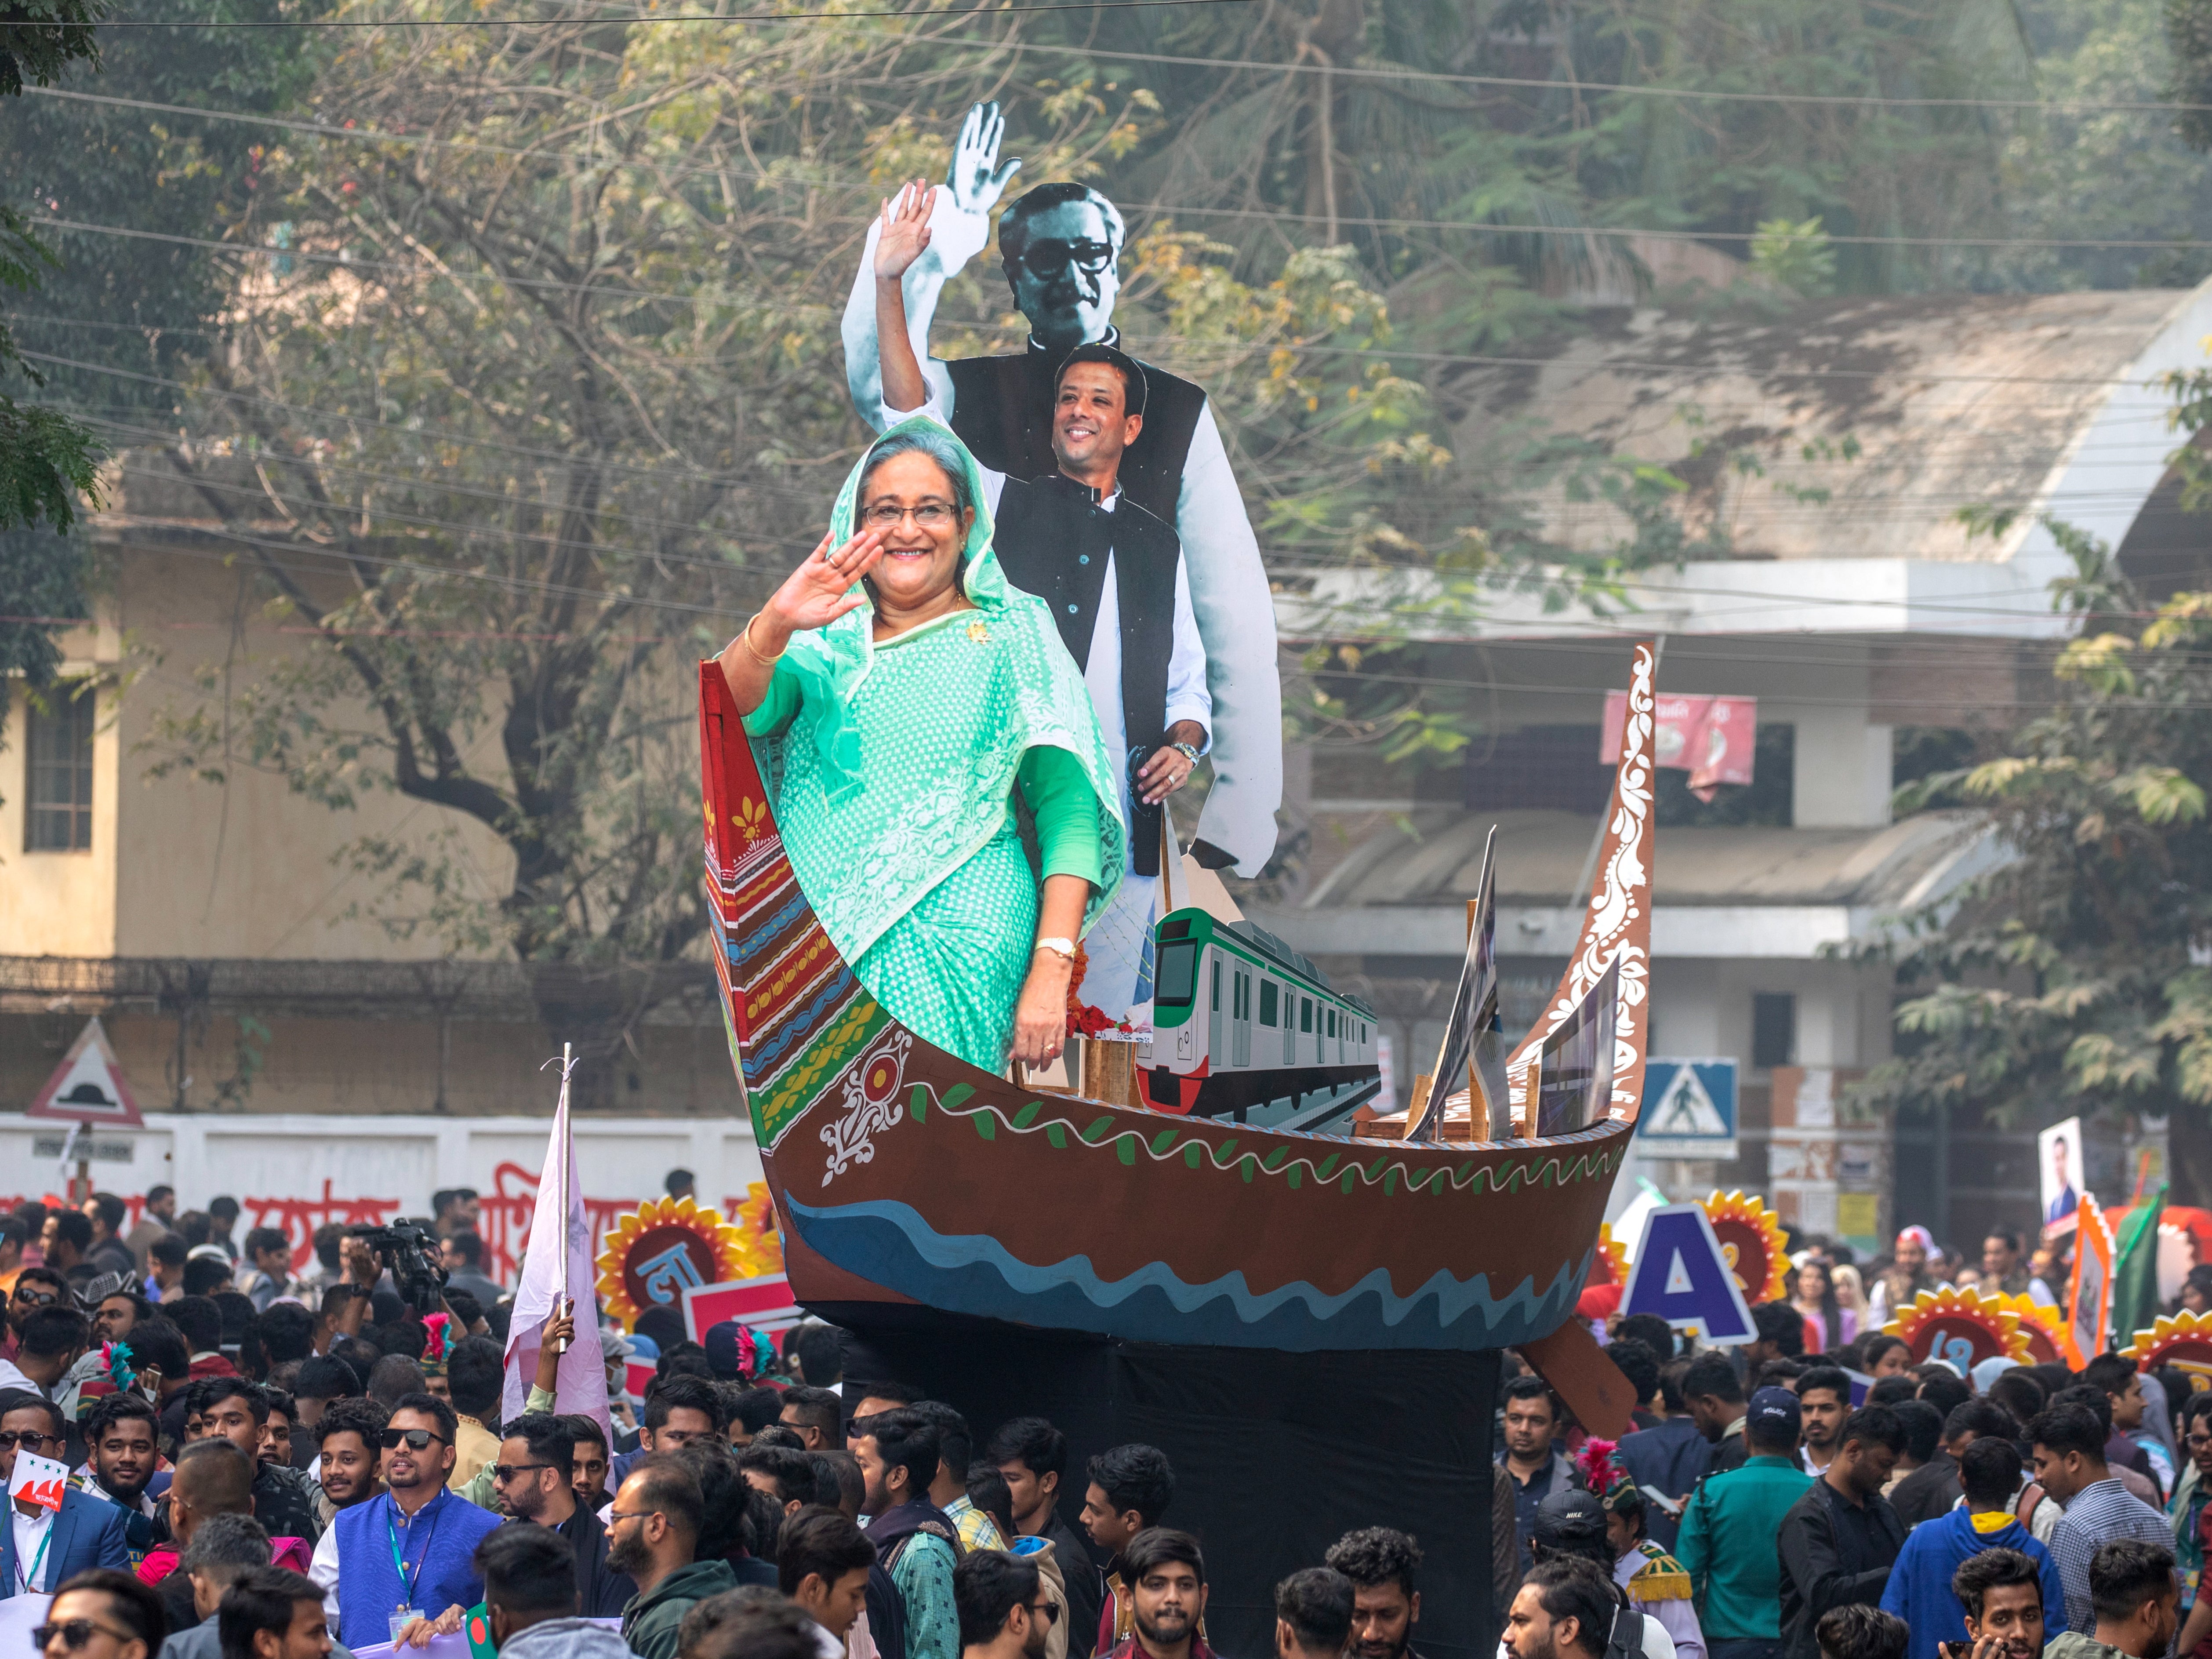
<point x="60" y="815"/>
<point x="1773" y="1029"/>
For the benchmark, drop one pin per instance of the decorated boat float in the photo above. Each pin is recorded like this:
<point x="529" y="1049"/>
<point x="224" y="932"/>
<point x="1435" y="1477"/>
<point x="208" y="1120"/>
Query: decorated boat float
<point x="905" y="1176"/>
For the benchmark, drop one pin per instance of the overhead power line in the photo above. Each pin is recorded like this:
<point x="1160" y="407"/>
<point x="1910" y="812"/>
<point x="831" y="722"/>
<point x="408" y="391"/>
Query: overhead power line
<point x="1609" y="365"/>
<point x="745" y="19"/>
<point x="1164" y="209"/>
<point x="1348" y="71"/>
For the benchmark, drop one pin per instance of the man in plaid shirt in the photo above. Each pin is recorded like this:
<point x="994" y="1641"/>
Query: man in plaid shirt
<point x="2069" y="1443"/>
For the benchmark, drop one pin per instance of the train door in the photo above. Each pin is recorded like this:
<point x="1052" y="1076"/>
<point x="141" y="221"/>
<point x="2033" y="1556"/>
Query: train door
<point x="1214" y="1050"/>
<point x="1240" y="1015"/>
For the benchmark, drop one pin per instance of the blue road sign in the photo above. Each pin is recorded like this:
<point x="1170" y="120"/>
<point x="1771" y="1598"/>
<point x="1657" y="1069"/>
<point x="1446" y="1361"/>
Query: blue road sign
<point x="1682" y="1275"/>
<point x="1688" y="1110"/>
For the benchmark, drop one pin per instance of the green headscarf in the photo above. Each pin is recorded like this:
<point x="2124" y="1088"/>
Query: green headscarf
<point x="831" y="663"/>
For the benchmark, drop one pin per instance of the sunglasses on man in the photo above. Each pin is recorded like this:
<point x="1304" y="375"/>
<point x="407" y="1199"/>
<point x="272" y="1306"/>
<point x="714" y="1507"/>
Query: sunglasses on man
<point x="504" y="1473"/>
<point x="33" y="1298"/>
<point x="76" y="1634"/>
<point x="413" y="1439"/>
<point x="29" y="1439"/>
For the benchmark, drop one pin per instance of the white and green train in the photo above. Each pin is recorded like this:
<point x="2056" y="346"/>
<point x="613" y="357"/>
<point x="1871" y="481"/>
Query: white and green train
<point x="1242" y="1022"/>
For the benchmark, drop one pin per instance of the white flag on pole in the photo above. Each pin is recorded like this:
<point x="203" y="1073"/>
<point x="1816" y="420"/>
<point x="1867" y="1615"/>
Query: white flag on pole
<point x="550" y="1274"/>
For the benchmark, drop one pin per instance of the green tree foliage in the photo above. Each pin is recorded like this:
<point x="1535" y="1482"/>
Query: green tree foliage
<point x="46" y="459"/>
<point x="40" y="38"/>
<point x="2074" y="976"/>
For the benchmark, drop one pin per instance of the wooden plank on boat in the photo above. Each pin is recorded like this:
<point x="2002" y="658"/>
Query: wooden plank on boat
<point x="1602" y="1399"/>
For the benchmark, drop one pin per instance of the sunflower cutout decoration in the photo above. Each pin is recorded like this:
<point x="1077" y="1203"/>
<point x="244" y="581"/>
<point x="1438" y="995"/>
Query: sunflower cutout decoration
<point x="1750" y="1237"/>
<point x="1961" y="1327"/>
<point x="664" y="1247"/>
<point x="756" y="1220"/>
<point x="2039" y="1324"/>
<point x="1609" y="1266"/>
<point x="2181" y="1341"/>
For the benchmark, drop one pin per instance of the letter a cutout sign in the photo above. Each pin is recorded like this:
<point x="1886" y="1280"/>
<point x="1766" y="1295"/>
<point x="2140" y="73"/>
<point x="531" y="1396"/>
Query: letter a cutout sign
<point x="1682" y="1275"/>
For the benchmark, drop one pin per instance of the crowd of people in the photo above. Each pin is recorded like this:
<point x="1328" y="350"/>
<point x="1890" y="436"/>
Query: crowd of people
<point x="273" y="1464"/>
<point x="1817" y="1494"/>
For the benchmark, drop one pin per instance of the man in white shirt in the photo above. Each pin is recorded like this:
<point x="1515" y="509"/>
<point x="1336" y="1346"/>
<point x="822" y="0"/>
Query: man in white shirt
<point x="1115" y="579"/>
<point x="1060" y="243"/>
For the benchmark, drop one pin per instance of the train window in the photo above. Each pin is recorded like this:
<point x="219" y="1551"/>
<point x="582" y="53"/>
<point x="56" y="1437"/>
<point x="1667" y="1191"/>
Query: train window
<point x="1267" y="1002"/>
<point x="1332" y="1022"/>
<point x="1305" y="1013"/>
<point x="1215" y="1004"/>
<point x="1176" y="978"/>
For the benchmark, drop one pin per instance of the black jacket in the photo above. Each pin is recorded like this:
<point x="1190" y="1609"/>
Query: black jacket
<point x="1831" y="1557"/>
<point x="605" y="1592"/>
<point x="1086" y="1585"/>
<point x="1928" y="1492"/>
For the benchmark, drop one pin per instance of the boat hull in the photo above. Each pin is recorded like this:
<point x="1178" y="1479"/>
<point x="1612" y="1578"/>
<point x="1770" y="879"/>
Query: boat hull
<point x="910" y="1171"/>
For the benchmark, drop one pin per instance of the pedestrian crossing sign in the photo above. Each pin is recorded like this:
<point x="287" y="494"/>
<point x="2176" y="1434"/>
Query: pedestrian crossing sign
<point x="1688" y="1110"/>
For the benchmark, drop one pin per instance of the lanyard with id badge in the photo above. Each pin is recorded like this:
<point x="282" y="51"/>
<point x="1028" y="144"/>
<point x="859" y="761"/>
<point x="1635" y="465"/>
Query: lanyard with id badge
<point x="406" y="1613"/>
<point x="37" y="1480"/>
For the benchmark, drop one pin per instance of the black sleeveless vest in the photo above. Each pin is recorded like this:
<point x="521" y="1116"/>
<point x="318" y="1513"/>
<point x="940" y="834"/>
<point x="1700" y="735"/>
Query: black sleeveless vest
<point x="1052" y="539"/>
<point x="1002" y="411"/>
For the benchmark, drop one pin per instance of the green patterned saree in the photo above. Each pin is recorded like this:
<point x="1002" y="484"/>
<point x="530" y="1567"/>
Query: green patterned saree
<point x="894" y="769"/>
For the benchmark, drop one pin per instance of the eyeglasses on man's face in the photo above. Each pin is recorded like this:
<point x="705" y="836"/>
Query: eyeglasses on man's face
<point x="930" y="515"/>
<point x="504" y="1473"/>
<point x="414" y="1439"/>
<point x="1047" y="257"/>
<point x="32" y="1296"/>
<point x="29" y="1439"/>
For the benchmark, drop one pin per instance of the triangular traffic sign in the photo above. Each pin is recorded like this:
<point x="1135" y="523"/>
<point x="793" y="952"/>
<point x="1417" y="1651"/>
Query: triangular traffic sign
<point x="87" y="1086"/>
<point x="1682" y="1275"/>
<point x="1687" y="1109"/>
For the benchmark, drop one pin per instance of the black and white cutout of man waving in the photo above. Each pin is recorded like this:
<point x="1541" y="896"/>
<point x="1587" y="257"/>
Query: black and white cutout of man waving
<point x="1059" y="244"/>
<point x="1111" y="572"/>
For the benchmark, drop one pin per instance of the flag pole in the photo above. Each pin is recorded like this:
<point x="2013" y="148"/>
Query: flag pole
<point x="566" y="1155"/>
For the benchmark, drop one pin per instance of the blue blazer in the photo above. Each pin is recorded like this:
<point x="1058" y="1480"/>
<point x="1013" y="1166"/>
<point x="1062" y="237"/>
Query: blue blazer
<point x="88" y="1533"/>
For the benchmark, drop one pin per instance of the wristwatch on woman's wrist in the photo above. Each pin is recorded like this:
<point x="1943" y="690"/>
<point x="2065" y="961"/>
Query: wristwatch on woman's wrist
<point x="1059" y="947"/>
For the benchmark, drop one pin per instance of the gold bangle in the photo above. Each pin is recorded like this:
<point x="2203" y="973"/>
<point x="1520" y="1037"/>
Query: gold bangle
<point x="745" y="638"/>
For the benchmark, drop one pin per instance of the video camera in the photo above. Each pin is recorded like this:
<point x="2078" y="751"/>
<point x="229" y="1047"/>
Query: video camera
<point x="409" y="1253"/>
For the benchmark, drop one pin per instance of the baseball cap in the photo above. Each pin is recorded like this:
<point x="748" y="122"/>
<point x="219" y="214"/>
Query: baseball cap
<point x="1772" y="1412"/>
<point x="1568" y="1518"/>
<point x="725" y="1346"/>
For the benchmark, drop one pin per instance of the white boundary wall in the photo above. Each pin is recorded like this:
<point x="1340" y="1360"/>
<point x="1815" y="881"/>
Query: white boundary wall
<point x="299" y="1171"/>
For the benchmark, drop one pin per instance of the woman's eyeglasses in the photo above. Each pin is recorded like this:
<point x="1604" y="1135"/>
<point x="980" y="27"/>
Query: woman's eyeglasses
<point x="413" y="1439"/>
<point x="75" y="1633"/>
<point x="930" y="515"/>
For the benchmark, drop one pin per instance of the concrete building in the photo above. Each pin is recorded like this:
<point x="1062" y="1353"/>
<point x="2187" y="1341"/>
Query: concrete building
<point x="1865" y="490"/>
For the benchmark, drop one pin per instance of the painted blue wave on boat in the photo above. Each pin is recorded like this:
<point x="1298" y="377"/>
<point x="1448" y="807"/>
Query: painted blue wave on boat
<point x="890" y="1244"/>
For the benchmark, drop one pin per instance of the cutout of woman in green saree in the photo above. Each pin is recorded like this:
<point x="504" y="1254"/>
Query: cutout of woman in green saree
<point x="909" y="697"/>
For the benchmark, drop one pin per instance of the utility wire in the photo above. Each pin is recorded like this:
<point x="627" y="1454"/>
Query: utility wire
<point x="742" y="20"/>
<point x="1160" y="209"/>
<point x="1575" y="87"/>
<point x="1765" y="371"/>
